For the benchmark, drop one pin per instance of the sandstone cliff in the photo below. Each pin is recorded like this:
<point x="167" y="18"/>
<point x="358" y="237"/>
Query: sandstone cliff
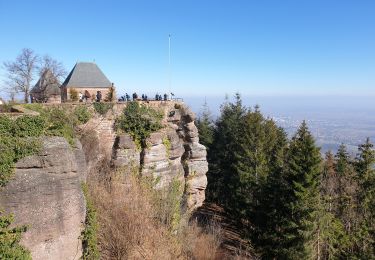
<point x="172" y="153"/>
<point x="46" y="195"/>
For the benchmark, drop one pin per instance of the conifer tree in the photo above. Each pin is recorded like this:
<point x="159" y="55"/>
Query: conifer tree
<point x="251" y="167"/>
<point x="346" y="198"/>
<point x="332" y="236"/>
<point x="222" y="160"/>
<point x="261" y="153"/>
<point x="205" y="126"/>
<point x="330" y="183"/>
<point x="301" y="230"/>
<point x="365" y="236"/>
<point x="270" y="213"/>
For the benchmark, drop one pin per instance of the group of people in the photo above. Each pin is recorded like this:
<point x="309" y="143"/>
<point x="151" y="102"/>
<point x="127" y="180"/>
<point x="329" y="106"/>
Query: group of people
<point x="86" y="96"/>
<point x="98" y="97"/>
<point x="144" y="97"/>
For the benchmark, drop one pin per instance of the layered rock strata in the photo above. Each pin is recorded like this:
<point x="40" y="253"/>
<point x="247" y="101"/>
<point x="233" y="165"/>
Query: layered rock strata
<point x="46" y="195"/>
<point x="172" y="153"/>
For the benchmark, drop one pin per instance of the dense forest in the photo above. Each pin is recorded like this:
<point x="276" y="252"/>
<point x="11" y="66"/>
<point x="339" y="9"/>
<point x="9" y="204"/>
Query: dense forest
<point x="291" y="202"/>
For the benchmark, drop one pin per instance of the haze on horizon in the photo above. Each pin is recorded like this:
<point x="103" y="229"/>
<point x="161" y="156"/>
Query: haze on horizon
<point x="270" y="48"/>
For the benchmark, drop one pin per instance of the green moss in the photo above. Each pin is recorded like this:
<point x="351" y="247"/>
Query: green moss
<point x="90" y="232"/>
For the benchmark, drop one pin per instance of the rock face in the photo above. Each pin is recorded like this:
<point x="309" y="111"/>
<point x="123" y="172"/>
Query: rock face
<point x="194" y="160"/>
<point x="125" y="152"/>
<point x="172" y="153"/>
<point x="46" y="195"/>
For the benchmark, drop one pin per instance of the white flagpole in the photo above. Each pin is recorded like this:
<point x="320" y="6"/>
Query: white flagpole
<point x="169" y="64"/>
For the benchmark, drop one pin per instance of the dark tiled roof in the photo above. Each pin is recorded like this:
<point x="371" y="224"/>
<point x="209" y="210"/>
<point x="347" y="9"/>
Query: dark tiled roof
<point x="48" y="84"/>
<point x="86" y="74"/>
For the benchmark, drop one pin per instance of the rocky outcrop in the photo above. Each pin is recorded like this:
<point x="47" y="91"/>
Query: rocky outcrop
<point x="172" y="153"/>
<point x="46" y="195"/>
<point x="125" y="152"/>
<point x="194" y="160"/>
<point x="162" y="158"/>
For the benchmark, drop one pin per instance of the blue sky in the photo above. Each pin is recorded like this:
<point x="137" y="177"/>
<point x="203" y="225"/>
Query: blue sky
<point x="269" y="48"/>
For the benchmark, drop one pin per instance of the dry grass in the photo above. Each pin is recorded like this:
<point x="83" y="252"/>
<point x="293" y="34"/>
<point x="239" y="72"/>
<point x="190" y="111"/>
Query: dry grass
<point x="131" y="226"/>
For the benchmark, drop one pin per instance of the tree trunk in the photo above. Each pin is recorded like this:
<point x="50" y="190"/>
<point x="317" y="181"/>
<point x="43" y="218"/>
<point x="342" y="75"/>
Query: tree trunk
<point x="26" y="97"/>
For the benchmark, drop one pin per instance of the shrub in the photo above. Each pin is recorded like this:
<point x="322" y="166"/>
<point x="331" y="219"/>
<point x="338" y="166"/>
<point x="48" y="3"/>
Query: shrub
<point x="18" y="138"/>
<point x="82" y="113"/>
<point x="25" y="146"/>
<point x="111" y="95"/>
<point x="168" y="145"/>
<point x="168" y="204"/>
<point x="34" y="107"/>
<point x="139" y="121"/>
<point x="89" y="234"/>
<point x="11" y="150"/>
<point x="6" y="108"/>
<point x="102" y="108"/>
<point x="73" y="94"/>
<point x="7" y="157"/>
<point x="60" y="123"/>
<point x="29" y="126"/>
<point x="6" y="125"/>
<point x="135" y="221"/>
<point x="10" y="238"/>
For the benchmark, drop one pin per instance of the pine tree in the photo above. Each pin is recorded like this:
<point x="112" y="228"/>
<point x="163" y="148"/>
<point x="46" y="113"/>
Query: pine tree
<point x="222" y="160"/>
<point x="346" y="198"/>
<point x="301" y="232"/>
<point x="271" y="213"/>
<point x="251" y="163"/>
<point x="330" y="183"/>
<point x="332" y="236"/>
<point x="205" y="126"/>
<point x="365" y="236"/>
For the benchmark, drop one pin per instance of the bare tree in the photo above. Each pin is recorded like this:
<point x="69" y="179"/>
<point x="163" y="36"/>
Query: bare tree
<point x="51" y="73"/>
<point x="20" y="73"/>
<point x="55" y="67"/>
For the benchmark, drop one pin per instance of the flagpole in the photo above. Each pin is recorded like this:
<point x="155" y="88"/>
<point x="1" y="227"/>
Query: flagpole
<point x="169" y="63"/>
